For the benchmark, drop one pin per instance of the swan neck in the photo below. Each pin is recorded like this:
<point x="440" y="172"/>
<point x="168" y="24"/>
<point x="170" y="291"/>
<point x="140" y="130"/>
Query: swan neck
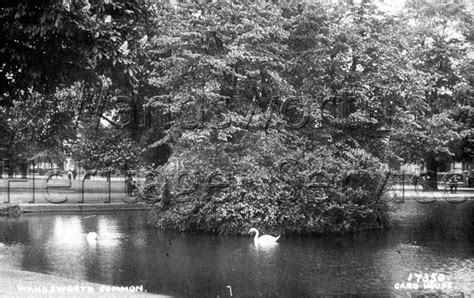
<point x="256" y="236"/>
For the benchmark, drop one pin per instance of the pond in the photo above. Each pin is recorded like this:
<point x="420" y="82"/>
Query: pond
<point x="435" y="239"/>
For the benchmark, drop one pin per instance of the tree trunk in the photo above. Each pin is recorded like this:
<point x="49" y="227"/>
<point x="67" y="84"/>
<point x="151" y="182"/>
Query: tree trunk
<point x="24" y="169"/>
<point x="432" y="171"/>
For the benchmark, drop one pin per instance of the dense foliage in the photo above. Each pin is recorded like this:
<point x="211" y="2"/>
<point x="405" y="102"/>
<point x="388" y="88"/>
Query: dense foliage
<point x="433" y="126"/>
<point x="231" y="78"/>
<point x="50" y="43"/>
<point x="55" y="56"/>
<point x="231" y="190"/>
<point x="365" y="80"/>
<point x="278" y="117"/>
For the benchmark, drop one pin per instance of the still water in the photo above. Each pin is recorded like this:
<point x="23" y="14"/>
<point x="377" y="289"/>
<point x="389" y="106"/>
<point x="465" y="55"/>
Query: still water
<point x="429" y="239"/>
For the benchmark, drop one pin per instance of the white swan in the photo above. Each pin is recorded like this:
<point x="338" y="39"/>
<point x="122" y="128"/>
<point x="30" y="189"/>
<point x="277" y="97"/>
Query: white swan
<point x="264" y="239"/>
<point x="92" y="236"/>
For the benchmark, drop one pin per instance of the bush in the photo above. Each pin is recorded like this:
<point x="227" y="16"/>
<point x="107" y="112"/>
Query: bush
<point x="318" y="192"/>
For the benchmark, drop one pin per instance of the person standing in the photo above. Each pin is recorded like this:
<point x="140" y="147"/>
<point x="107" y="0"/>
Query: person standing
<point x="129" y="185"/>
<point x="453" y="183"/>
<point x="415" y="181"/>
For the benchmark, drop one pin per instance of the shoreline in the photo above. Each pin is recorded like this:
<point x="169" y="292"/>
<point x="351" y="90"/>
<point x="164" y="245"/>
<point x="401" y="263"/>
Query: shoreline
<point x="19" y="283"/>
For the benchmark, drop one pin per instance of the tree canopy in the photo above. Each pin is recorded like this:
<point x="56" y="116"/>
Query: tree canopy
<point x="50" y="43"/>
<point x="442" y="54"/>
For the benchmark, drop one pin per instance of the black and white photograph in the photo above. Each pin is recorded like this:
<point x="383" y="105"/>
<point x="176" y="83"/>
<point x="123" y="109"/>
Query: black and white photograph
<point x="236" y="148"/>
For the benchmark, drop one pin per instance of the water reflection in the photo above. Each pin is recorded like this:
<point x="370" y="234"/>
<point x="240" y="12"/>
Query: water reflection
<point x="108" y="233"/>
<point x="427" y="239"/>
<point x="265" y="249"/>
<point x="66" y="232"/>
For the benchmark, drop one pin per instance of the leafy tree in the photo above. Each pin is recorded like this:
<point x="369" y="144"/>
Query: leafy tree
<point x="364" y="77"/>
<point x="370" y="76"/>
<point x="38" y="125"/>
<point x="105" y="147"/>
<point x="58" y="58"/>
<point x="50" y="43"/>
<point x="225" y="71"/>
<point x="440" y="47"/>
<point x="358" y="77"/>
